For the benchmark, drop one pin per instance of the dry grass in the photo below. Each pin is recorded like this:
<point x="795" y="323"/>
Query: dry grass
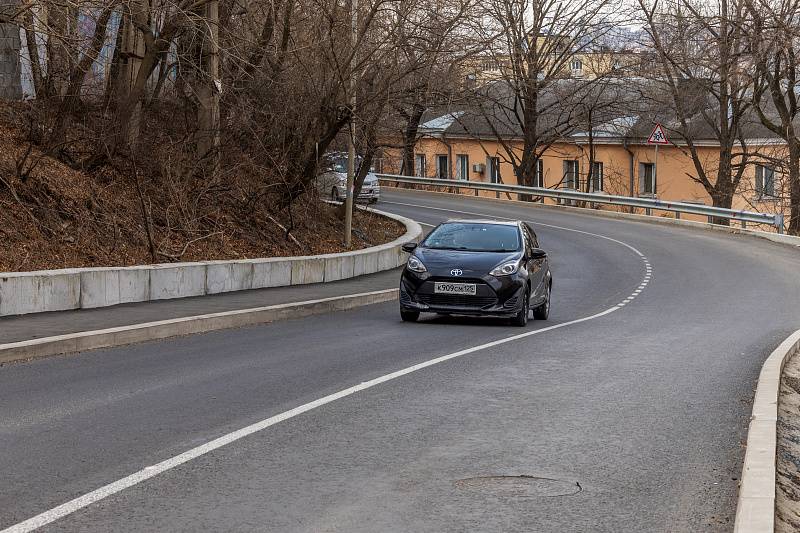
<point x="61" y="217"/>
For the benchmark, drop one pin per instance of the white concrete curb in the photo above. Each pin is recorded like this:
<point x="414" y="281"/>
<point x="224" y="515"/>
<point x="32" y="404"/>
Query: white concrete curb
<point x="775" y="237"/>
<point x="83" y="288"/>
<point x="105" y="338"/>
<point x="755" y="511"/>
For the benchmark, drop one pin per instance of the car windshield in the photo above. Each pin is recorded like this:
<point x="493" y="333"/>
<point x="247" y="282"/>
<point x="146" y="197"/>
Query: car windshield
<point x="474" y="237"/>
<point x="339" y="164"/>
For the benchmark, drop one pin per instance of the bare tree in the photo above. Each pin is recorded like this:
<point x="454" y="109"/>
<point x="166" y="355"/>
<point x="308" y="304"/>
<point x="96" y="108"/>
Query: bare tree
<point x="534" y="41"/>
<point x="773" y="40"/>
<point x="701" y="48"/>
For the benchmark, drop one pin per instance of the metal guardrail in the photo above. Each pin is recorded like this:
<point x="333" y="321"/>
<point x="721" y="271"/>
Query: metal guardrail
<point x="649" y="204"/>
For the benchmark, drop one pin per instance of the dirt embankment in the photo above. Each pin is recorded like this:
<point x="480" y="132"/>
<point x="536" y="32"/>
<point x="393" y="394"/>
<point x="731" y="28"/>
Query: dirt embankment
<point x="787" y="493"/>
<point x="54" y="213"/>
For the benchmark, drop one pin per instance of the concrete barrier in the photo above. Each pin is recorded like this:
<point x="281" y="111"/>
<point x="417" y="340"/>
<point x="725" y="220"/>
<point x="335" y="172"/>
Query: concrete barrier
<point x="83" y="288"/>
<point x="755" y="511"/>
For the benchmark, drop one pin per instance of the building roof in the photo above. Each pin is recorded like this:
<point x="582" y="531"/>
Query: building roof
<point x="612" y="110"/>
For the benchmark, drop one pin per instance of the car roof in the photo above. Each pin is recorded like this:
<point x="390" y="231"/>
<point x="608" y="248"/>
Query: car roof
<point x="484" y="221"/>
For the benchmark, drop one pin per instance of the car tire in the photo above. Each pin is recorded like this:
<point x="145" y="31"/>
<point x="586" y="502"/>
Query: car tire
<point x="543" y="311"/>
<point x="521" y="318"/>
<point x="409" y="316"/>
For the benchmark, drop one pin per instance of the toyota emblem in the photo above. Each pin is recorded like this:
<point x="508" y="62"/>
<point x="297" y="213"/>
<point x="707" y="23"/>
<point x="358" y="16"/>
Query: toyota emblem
<point x="456" y="272"/>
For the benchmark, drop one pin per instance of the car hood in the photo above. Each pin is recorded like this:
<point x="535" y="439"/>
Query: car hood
<point x="473" y="264"/>
<point x="370" y="180"/>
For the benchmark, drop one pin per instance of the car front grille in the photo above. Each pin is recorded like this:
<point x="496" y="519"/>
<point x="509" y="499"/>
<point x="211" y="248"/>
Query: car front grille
<point x="457" y="300"/>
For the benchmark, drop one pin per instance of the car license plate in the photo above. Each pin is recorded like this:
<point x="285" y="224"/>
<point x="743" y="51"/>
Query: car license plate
<point x="442" y="287"/>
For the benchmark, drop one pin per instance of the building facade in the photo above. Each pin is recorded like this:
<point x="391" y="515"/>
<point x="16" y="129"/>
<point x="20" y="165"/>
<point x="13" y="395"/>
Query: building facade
<point x="621" y="166"/>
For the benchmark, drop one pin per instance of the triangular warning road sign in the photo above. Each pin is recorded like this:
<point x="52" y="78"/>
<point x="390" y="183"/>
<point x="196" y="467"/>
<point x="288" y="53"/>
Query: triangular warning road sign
<point x="658" y="136"/>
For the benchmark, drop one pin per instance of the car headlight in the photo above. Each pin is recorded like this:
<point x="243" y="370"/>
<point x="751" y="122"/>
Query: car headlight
<point x="415" y="265"/>
<point x="506" y="269"/>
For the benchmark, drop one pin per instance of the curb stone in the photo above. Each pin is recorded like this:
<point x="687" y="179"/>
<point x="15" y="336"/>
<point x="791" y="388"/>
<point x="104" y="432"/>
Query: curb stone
<point x="755" y="510"/>
<point x="162" y="329"/>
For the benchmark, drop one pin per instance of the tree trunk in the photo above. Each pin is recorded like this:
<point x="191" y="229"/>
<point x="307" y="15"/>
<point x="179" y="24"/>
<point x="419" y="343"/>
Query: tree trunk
<point x="410" y="139"/>
<point x="131" y="87"/>
<point x="10" y="81"/>
<point x="33" y="52"/>
<point x="722" y="197"/>
<point x="794" y="186"/>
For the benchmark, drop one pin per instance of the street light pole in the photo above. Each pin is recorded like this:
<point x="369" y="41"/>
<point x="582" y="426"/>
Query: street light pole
<point x="351" y="148"/>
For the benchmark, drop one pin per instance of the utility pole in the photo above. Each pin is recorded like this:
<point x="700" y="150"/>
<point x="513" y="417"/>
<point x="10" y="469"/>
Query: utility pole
<point x="211" y="88"/>
<point x="351" y="148"/>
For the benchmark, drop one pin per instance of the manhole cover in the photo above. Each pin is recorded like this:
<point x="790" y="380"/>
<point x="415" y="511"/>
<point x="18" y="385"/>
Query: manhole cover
<point x="522" y="486"/>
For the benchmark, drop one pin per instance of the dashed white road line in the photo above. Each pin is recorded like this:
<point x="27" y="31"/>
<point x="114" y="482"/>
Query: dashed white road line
<point x="146" y="473"/>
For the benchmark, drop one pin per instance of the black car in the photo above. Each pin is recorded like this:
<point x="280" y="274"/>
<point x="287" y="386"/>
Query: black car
<point x="477" y="267"/>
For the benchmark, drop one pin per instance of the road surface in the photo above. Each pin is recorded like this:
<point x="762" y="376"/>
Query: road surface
<point x="630" y="415"/>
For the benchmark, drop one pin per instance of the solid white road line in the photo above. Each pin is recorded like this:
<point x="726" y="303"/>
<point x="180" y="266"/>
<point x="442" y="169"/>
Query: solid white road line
<point x="105" y="491"/>
<point x="81" y="502"/>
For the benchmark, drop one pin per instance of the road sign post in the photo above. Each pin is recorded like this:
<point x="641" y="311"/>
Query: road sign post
<point x="657" y="138"/>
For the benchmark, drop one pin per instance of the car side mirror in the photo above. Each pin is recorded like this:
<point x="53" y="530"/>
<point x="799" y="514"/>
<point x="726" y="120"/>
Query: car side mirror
<point x="538" y="253"/>
<point x="409" y="247"/>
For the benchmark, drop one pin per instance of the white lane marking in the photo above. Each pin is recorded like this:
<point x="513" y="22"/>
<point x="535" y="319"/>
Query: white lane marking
<point x="146" y="473"/>
<point x="105" y="491"/>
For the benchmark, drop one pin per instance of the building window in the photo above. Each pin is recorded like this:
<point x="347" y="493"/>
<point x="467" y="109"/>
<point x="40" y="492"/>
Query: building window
<point x="597" y="176"/>
<point x="462" y="167"/>
<point x="419" y="165"/>
<point x="576" y="64"/>
<point x="765" y="181"/>
<point x="442" y="167"/>
<point x="493" y="166"/>
<point x="647" y="178"/>
<point x="538" y="177"/>
<point x="571" y="178"/>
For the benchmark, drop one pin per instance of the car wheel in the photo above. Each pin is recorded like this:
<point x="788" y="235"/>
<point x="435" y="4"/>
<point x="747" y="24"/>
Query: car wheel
<point x="543" y="311"/>
<point x="521" y="318"/>
<point x="409" y="316"/>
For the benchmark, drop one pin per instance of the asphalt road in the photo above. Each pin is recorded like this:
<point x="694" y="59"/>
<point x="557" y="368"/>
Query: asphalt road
<point x="630" y="420"/>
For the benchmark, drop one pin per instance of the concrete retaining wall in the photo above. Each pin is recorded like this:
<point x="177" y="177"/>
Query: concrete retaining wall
<point x="82" y="288"/>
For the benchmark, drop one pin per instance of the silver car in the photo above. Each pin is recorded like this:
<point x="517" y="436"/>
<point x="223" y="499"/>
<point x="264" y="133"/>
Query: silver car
<point x="333" y="181"/>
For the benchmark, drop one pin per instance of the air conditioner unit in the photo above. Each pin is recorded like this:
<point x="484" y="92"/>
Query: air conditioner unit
<point x="478" y="167"/>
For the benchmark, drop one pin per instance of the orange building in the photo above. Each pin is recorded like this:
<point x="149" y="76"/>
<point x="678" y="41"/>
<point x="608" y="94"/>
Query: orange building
<point x="452" y="147"/>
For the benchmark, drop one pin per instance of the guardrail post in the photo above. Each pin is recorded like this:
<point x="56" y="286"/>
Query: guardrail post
<point x="779" y="222"/>
<point x="744" y="224"/>
<point x="647" y="211"/>
<point x="677" y="215"/>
